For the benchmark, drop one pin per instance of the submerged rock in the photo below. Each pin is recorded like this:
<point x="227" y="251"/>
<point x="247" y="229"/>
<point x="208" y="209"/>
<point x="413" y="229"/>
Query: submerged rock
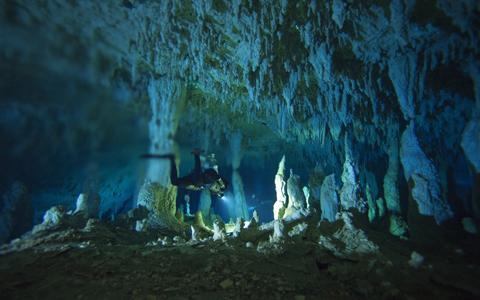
<point x="416" y="260"/>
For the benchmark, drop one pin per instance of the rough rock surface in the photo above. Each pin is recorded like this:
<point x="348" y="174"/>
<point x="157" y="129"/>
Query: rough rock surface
<point x="418" y="168"/>
<point x="94" y="259"/>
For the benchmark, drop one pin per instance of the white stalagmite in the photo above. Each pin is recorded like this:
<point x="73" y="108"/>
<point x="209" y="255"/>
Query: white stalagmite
<point x="187" y="206"/>
<point x="306" y="193"/>
<point x="256" y="217"/>
<point x="238" y="227"/>
<point x="241" y="209"/>
<point x="81" y="204"/>
<point x="329" y="198"/>
<point x="348" y="193"/>
<point x="420" y="169"/>
<point x="278" y="232"/>
<point x="88" y="205"/>
<point x="194" y="236"/>
<point x="280" y="187"/>
<point x="218" y="232"/>
<point x="296" y="198"/>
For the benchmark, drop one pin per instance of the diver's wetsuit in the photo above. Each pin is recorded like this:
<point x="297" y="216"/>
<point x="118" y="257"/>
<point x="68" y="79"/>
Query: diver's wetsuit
<point x="196" y="180"/>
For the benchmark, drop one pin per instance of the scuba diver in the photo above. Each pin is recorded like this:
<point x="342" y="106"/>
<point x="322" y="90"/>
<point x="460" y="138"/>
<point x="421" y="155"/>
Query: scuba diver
<point x="198" y="179"/>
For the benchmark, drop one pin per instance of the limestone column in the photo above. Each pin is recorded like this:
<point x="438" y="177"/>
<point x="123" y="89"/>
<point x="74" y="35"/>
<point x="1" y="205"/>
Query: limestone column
<point x="241" y="209"/>
<point x="166" y="100"/>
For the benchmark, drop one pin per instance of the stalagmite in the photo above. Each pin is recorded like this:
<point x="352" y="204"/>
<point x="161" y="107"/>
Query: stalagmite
<point x="278" y="232"/>
<point x="241" y="209"/>
<point x="54" y="216"/>
<point x="218" y="231"/>
<point x="87" y="205"/>
<point x="419" y="168"/>
<point x="372" y="205"/>
<point x="296" y="199"/>
<point x="187" y="206"/>
<point x="329" y="198"/>
<point x="280" y="190"/>
<point x="255" y="216"/>
<point x="194" y="236"/>
<point x="306" y="193"/>
<point x="349" y="191"/>
<point x="397" y="225"/>
<point x="315" y="180"/>
<point x="238" y="227"/>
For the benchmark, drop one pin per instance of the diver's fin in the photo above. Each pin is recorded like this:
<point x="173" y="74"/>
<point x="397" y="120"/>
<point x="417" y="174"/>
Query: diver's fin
<point x="158" y="156"/>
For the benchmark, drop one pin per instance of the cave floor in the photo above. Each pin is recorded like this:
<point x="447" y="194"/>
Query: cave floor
<point x="115" y="263"/>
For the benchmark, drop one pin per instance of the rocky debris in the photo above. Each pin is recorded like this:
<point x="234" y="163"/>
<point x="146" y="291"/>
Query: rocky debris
<point x="274" y="245"/>
<point x="469" y="225"/>
<point x="92" y="224"/>
<point x="348" y="240"/>
<point x="416" y="260"/>
<point x="52" y="217"/>
<point x="141" y="225"/>
<point x="249" y="245"/>
<point x="298" y="229"/>
<point x="118" y="260"/>
<point x="226" y="284"/>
